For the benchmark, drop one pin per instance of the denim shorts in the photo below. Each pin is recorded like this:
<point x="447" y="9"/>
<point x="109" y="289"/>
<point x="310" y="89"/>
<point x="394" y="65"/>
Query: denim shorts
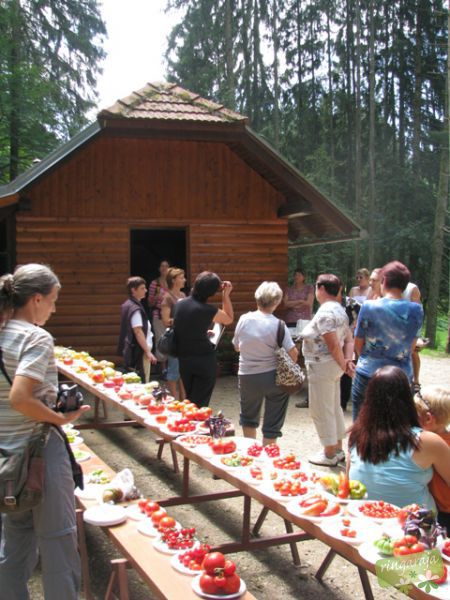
<point x="173" y="369"/>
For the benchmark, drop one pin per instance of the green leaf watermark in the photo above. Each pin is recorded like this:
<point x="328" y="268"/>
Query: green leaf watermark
<point x="421" y="569"/>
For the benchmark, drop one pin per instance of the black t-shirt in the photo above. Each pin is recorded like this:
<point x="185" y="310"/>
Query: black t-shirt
<point x="192" y="319"/>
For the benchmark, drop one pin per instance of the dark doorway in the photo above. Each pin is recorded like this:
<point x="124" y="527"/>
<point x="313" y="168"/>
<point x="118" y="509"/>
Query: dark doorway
<point x="149" y="246"/>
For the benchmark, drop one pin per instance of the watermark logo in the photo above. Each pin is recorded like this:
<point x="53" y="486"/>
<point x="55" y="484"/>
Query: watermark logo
<point x="422" y="569"/>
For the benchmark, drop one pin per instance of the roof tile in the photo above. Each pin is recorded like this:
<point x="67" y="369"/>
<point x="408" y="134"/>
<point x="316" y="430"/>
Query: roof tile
<point x="168" y="101"/>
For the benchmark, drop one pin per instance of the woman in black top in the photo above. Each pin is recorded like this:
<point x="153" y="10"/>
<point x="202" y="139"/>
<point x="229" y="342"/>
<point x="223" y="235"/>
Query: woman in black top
<point x="193" y="318"/>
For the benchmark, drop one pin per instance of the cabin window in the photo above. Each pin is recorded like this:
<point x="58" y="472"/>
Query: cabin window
<point x="149" y="246"/>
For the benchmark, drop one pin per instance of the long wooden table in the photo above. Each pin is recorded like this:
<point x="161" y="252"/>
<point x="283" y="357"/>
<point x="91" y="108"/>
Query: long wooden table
<point x="309" y="530"/>
<point x="137" y="552"/>
<point x="248" y="541"/>
<point x="138" y="415"/>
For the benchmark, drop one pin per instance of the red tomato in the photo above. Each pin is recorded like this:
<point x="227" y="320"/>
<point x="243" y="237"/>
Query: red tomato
<point x="442" y="579"/>
<point x="213" y="561"/>
<point x="233" y="583"/>
<point x="167" y="523"/>
<point x="151" y="507"/>
<point x="229" y="568"/>
<point x="207" y="584"/>
<point x="446" y="548"/>
<point x="220" y="580"/>
<point x="158" y="515"/>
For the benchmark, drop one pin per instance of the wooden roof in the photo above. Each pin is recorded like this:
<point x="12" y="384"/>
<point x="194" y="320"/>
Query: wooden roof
<point x="167" y="111"/>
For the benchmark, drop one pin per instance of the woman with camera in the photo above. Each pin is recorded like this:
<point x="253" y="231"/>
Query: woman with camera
<point x="27" y="300"/>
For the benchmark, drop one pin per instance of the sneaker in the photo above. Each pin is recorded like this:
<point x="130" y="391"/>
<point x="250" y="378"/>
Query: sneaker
<point x="340" y="455"/>
<point x="323" y="460"/>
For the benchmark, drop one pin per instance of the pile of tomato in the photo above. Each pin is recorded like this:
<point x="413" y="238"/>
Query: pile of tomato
<point x="179" y="539"/>
<point x="318" y="506"/>
<point x="288" y="463"/>
<point x="379" y="510"/>
<point x="219" y="575"/>
<point x="346" y="530"/>
<point x="287" y="487"/>
<point x="256" y="473"/>
<point x="193" y="559"/>
<point x="223" y="446"/>
<point x="181" y="426"/>
<point x="255" y="450"/>
<point x="272" y="450"/>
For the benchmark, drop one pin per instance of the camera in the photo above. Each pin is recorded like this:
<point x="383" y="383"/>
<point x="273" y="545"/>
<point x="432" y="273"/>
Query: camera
<point x="69" y="398"/>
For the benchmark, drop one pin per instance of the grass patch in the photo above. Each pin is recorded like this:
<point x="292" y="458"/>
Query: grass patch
<point x="441" y="339"/>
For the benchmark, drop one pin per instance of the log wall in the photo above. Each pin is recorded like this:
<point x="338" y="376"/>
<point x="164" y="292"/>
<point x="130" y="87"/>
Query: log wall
<point x="82" y="212"/>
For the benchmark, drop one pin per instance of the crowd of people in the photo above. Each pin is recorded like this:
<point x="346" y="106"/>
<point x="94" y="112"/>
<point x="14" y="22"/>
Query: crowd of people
<point x="398" y="445"/>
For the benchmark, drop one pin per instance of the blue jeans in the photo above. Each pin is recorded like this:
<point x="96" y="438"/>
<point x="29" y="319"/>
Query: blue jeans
<point x="359" y="386"/>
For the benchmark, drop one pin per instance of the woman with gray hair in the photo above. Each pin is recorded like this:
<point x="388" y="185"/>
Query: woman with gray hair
<point x="27" y="300"/>
<point x="255" y="338"/>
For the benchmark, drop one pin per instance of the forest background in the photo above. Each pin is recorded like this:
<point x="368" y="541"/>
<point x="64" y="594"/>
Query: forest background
<point x="354" y="93"/>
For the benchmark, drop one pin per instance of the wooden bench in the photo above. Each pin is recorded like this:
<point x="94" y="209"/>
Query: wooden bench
<point x="136" y="552"/>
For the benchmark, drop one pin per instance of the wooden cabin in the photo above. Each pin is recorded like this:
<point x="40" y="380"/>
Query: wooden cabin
<point x="161" y="174"/>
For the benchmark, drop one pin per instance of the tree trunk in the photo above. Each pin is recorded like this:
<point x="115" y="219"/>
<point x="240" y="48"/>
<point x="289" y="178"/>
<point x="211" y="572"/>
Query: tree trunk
<point x="358" y="180"/>
<point x="372" y="191"/>
<point x="15" y="85"/>
<point x="439" y="236"/>
<point x="417" y="100"/>
<point x="230" y="95"/>
<point x="330" y="108"/>
<point x="276" y="83"/>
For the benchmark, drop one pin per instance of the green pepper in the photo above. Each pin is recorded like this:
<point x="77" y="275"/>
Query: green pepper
<point x="385" y="545"/>
<point x="357" y="489"/>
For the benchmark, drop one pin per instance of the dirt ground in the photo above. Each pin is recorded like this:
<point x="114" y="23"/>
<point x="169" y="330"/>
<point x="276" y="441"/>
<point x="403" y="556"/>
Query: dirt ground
<point x="268" y="573"/>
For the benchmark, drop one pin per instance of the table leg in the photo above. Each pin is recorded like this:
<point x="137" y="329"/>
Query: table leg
<point x="293" y="545"/>
<point x="260" y="520"/>
<point x="365" y="583"/>
<point x="83" y="555"/>
<point x="118" y="577"/>
<point x="325" y="564"/>
<point x="246" y="520"/>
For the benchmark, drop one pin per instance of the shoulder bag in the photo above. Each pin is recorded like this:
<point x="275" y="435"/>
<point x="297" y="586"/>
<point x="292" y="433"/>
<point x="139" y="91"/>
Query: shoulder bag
<point x="167" y="343"/>
<point x="22" y="473"/>
<point x="289" y="375"/>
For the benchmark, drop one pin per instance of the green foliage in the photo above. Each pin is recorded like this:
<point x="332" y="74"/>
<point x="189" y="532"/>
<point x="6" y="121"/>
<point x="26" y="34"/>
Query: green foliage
<point x="49" y="58"/>
<point x="315" y="108"/>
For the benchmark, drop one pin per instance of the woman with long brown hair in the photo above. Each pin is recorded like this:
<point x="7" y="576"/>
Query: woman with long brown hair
<point x="389" y="452"/>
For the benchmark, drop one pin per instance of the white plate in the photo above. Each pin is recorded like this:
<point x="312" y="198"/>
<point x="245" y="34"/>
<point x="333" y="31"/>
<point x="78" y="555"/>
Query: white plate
<point x="77" y="441"/>
<point x="91" y="491"/>
<point x="183" y="439"/>
<point x="159" y="545"/>
<point x="294" y="508"/>
<point x="370" y="553"/>
<point x="164" y="429"/>
<point x="353" y="509"/>
<point x="363" y="530"/>
<point x="199" y="592"/>
<point x="440" y="545"/>
<point x="217" y="460"/>
<point x="178" y="566"/>
<point x="81" y="455"/>
<point x="105" y="515"/>
<point x="146" y="528"/>
<point x="244" y="474"/>
<point x="268" y="489"/>
<point x="134" y="513"/>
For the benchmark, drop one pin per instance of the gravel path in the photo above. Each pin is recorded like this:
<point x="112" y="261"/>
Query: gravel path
<point x="269" y="574"/>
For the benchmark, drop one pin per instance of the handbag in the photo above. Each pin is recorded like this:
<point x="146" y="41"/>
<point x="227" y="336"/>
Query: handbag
<point x="167" y="343"/>
<point x="289" y="375"/>
<point x="22" y="475"/>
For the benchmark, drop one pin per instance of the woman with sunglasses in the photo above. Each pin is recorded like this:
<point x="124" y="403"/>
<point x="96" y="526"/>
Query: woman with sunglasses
<point x="360" y="292"/>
